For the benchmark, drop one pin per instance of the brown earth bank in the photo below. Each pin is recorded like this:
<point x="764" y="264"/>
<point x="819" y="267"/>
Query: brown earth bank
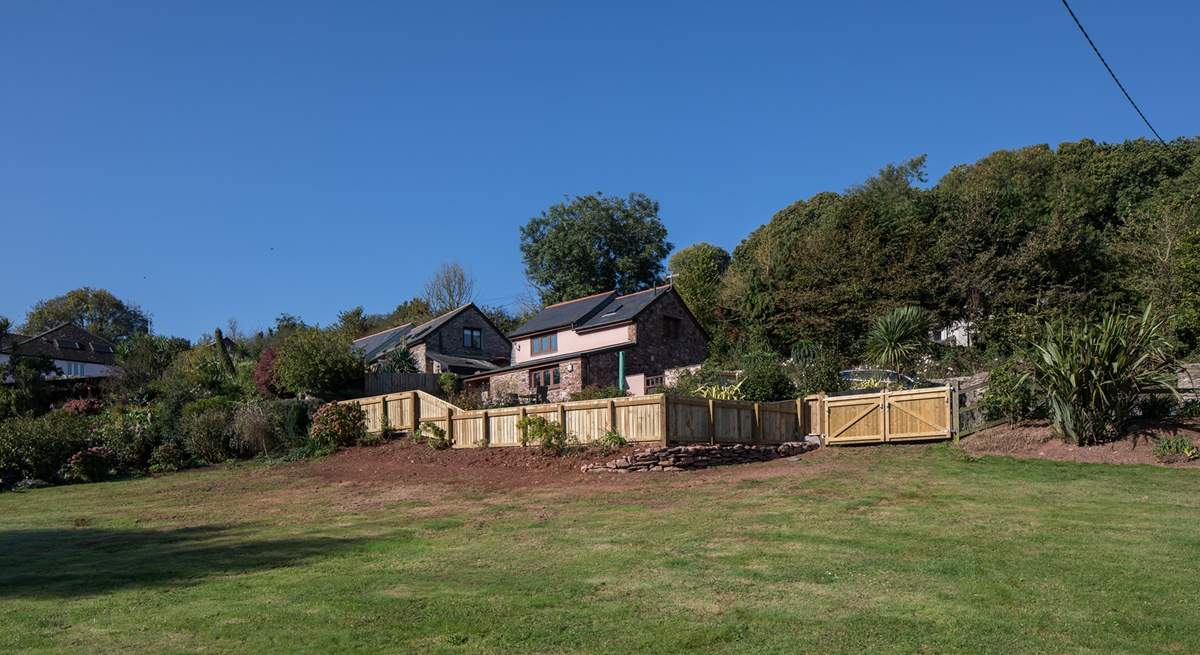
<point x="404" y="465"/>
<point x="1037" y="440"/>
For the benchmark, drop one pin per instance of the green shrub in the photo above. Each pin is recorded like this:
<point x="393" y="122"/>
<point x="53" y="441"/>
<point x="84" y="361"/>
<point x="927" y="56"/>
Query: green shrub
<point x="1093" y="373"/>
<point x="549" y="436"/>
<point x="129" y="432"/>
<point x="1177" y="448"/>
<point x="448" y="383"/>
<point x="39" y="447"/>
<point x="91" y="465"/>
<point x="434" y="435"/>
<point x="1010" y="395"/>
<point x="763" y="378"/>
<point x="294" y="416"/>
<point x="688" y="382"/>
<point x="594" y="392"/>
<point x="336" y="425"/>
<point x="168" y="458"/>
<point x="1189" y="409"/>
<point x="256" y="429"/>
<point x="814" y="369"/>
<point x="609" y="442"/>
<point x="323" y="364"/>
<point x="207" y="428"/>
<point x="721" y="391"/>
<point x="1157" y="406"/>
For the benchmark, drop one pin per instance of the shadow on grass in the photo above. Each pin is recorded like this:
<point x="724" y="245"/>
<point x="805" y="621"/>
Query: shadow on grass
<point x="66" y="563"/>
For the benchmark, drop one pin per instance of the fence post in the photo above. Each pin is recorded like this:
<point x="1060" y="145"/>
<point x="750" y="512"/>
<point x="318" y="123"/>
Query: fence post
<point x="450" y="424"/>
<point x="384" y="419"/>
<point x="487" y="430"/>
<point x="712" y="421"/>
<point x="664" y="421"/>
<point x="612" y="414"/>
<point x="952" y="410"/>
<point x="756" y="429"/>
<point x="524" y="428"/>
<point x="562" y="416"/>
<point x="416" y="411"/>
<point x="884" y="418"/>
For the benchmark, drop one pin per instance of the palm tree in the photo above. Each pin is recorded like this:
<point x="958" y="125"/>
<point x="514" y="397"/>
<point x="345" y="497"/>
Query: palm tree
<point x="898" y="338"/>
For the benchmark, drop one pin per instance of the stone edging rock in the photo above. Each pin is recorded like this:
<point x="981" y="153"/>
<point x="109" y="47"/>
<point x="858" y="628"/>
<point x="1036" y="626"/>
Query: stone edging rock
<point x="699" y="456"/>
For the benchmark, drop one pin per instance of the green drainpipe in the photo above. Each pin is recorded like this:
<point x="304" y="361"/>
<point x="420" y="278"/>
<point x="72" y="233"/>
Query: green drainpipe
<point x="621" y="370"/>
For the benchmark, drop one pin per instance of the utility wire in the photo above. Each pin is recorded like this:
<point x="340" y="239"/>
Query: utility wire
<point x="1111" y="73"/>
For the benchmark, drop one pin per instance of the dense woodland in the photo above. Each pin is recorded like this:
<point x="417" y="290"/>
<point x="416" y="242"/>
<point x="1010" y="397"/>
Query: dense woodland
<point x="1008" y="241"/>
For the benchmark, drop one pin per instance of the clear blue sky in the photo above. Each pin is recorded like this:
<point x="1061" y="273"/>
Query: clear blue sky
<point x="214" y="160"/>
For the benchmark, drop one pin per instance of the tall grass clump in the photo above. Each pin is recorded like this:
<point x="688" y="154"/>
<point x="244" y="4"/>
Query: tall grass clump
<point x="1093" y="373"/>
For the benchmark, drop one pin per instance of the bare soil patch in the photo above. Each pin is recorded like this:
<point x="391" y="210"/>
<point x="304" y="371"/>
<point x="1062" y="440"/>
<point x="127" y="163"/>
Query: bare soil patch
<point x="1037" y="440"/>
<point x="401" y="471"/>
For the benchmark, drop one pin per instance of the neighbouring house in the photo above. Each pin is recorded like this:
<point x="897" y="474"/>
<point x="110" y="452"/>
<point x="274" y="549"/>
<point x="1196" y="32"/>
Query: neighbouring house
<point x="462" y="341"/>
<point x="77" y="353"/>
<point x="582" y="342"/>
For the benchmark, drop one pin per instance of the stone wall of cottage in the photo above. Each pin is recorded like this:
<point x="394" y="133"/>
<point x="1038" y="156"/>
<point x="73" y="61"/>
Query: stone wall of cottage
<point x="571" y="374"/>
<point x="448" y="339"/>
<point x="418" y="354"/>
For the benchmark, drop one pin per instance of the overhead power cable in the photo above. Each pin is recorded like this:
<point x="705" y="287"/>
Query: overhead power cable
<point x="1111" y="73"/>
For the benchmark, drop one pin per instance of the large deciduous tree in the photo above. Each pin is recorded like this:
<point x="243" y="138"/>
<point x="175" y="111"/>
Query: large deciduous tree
<point x="696" y="274"/>
<point x="95" y="310"/>
<point x="449" y="288"/>
<point x="594" y="243"/>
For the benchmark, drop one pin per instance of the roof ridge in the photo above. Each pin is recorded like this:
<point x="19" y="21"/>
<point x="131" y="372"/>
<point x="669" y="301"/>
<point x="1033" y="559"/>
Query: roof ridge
<point x="567" y="302"/>
<point x="638" y="293"/>
<point x="445" y="314"/>
<point x="375" y="334"/>
<point x="49" y="330"/>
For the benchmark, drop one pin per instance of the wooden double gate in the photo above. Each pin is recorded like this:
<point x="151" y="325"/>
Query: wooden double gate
<point x="909" y="415"/>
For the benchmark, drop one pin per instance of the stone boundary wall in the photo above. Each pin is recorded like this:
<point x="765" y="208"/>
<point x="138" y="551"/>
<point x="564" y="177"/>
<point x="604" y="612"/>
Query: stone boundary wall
<point x="688" y="458"/>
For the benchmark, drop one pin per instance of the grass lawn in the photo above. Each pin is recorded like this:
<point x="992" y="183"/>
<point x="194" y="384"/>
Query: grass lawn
<point x="880" y="550"/>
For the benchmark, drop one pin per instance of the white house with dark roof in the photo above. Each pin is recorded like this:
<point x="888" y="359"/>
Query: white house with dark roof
<point x="75" y="352"/>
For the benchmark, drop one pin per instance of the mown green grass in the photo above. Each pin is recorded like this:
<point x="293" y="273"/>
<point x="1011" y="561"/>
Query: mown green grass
<point x="889" y="550"/>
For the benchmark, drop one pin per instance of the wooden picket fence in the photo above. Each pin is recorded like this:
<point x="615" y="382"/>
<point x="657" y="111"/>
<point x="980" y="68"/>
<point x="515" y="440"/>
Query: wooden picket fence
<point x="656" y="418"/>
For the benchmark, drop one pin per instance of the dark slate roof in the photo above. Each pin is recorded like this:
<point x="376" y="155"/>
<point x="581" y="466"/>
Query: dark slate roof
<point x="58" y="342"/>
<point x="464" y="365"/>
<point x="427" y="328"/>
<point x="542" y="361"/>
<point x="564" y="314"/>
<point x="591" y="312"/>
<point x="623" y="308"/>
<point x="373" y="346"/>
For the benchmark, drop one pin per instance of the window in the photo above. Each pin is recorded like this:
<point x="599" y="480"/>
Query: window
<point x="671" y="327"/>
<point x="67" y="344"/>
<point x="472" y="338"/>
<point x="72" y="369"/>
<point x="544" y="377"/>
<point x="547" y="343"/>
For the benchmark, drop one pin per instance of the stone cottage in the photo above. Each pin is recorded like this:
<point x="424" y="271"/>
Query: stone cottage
<point x="583" y="342"/>
<point x="461" y="341"/>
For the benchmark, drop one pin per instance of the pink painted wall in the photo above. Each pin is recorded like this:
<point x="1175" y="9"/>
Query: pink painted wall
<point x="570" y="341"/>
